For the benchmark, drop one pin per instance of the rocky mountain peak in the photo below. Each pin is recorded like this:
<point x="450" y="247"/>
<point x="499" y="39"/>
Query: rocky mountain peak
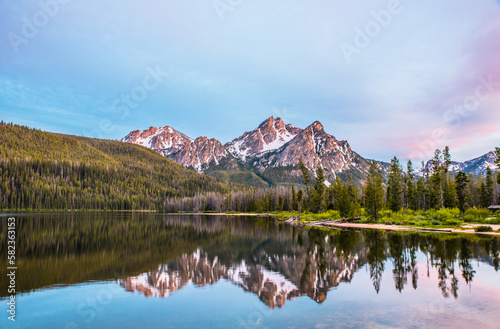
<point x="317" y="126"/>
<point x="313" y="145"/>
<point x="272" y="144"/>
<point x="271" y="122"/>
<point x="270" y="135"/>
<point x="164" y="139"/>
<point x="198" y="153"/>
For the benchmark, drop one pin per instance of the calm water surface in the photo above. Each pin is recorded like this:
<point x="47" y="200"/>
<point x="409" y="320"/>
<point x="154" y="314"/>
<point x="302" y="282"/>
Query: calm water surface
<point x="124" y="270"/>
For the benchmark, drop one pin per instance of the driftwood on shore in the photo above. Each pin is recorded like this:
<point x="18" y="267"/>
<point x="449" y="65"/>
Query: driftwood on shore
<point x="321" y="223"/>
<point x="293" y="219"/>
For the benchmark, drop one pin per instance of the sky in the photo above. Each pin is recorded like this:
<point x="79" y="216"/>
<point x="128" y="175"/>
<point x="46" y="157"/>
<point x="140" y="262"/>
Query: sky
<point x="394" y="78"/>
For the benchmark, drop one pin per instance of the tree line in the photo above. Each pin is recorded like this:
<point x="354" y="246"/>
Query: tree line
<point x="40" y="170"/>
<point x="436" y="187"/>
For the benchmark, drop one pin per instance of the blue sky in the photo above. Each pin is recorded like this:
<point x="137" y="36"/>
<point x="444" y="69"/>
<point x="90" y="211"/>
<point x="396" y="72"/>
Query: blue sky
<point x="391" y="77"/>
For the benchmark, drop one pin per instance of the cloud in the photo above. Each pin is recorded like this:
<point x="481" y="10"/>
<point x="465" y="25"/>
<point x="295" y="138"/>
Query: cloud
<point x="226" y="76"/>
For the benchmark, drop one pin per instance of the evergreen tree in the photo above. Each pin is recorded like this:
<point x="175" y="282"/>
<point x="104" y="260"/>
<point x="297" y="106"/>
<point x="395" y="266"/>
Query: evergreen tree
<point x="295" y="205"/>
<point x="448" y="186"/>
<point x="449" y="192"/>
<point x="440" y="166"/>
<point x="341" y="198"/>
<point x="394" y="186"/>
<point x="421" y="194"/>
<point x="461" y="181"/>
<point x="436" y="191"/>
<point x="308" y="194"/>
<point x="374" y="191"/>
<point x="410" y="187"/>
<point x="305" y="172"/>
<point x="483" y="196"/>
<point x="319" y="189"/>
<point x="354" y="205"/>
<point x="487" y="190"/>
<point x="300" y="197"/>
<point x="497" y="161"/>
<point x="446" y="159"/>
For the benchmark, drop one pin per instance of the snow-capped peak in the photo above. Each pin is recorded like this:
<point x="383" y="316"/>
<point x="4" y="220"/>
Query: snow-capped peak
<point x="270" y="135"/>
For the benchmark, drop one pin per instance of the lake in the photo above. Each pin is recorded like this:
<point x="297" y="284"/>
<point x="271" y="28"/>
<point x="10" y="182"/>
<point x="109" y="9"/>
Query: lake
<point x="145" y="270"/>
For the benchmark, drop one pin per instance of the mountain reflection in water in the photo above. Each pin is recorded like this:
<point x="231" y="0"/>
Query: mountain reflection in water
<point x="320" y="261"/>
<point x="157" y="255"/>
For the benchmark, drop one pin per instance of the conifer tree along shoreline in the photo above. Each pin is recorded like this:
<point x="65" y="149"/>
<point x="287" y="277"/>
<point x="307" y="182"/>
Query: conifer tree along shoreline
<point x="41" y="170"/>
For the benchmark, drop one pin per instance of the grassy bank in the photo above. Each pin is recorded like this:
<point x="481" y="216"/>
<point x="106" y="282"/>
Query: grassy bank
<point x="443" y="218"/>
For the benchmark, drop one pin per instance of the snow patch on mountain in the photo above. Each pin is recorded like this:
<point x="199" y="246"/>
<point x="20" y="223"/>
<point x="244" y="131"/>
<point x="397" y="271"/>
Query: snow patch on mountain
<point x="476" y="166"/>
<point x="270" y="135"/>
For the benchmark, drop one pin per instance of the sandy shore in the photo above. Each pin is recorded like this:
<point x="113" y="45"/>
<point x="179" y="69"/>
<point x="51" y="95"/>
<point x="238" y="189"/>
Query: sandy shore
<point x="469" y="229"/>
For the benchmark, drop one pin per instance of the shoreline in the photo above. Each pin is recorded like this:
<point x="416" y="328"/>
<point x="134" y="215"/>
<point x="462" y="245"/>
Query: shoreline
<point x="468" y="229"/>
<point x="219" y="214"/>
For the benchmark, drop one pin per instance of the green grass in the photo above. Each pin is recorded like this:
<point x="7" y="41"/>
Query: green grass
<point x="442" y="218"/>
<point x="307" y="216"/>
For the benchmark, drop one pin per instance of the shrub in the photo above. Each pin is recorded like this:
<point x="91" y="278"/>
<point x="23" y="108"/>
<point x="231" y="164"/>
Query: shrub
<point x="452" y="222"/>
<point x="423" y="223"/>
<point x="476" y="215"/>
<point x="386" y="214"/>
<point x="330" y="214"/>
<point x="419" y="218"/>
<point x="448" y="214"/>
<point x="483" y="229"/>
<point x="443" y="214"/>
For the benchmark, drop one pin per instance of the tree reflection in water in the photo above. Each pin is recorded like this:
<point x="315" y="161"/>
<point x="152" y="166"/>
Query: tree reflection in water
<point x="159" y="254"/>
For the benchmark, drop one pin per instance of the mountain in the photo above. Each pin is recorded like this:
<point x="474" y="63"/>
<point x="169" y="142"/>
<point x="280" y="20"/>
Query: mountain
<point x="198" y="154"/>
<point x="315" y="146"/>
<point x="270" y="135"/>
<point x="165" y="140"/>
<point x="476" y="166"/>
<point x="267" y="155"/>
<point x="54" y="171"/>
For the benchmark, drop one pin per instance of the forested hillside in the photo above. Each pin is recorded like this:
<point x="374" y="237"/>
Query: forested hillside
<point x="41" y="170"/>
